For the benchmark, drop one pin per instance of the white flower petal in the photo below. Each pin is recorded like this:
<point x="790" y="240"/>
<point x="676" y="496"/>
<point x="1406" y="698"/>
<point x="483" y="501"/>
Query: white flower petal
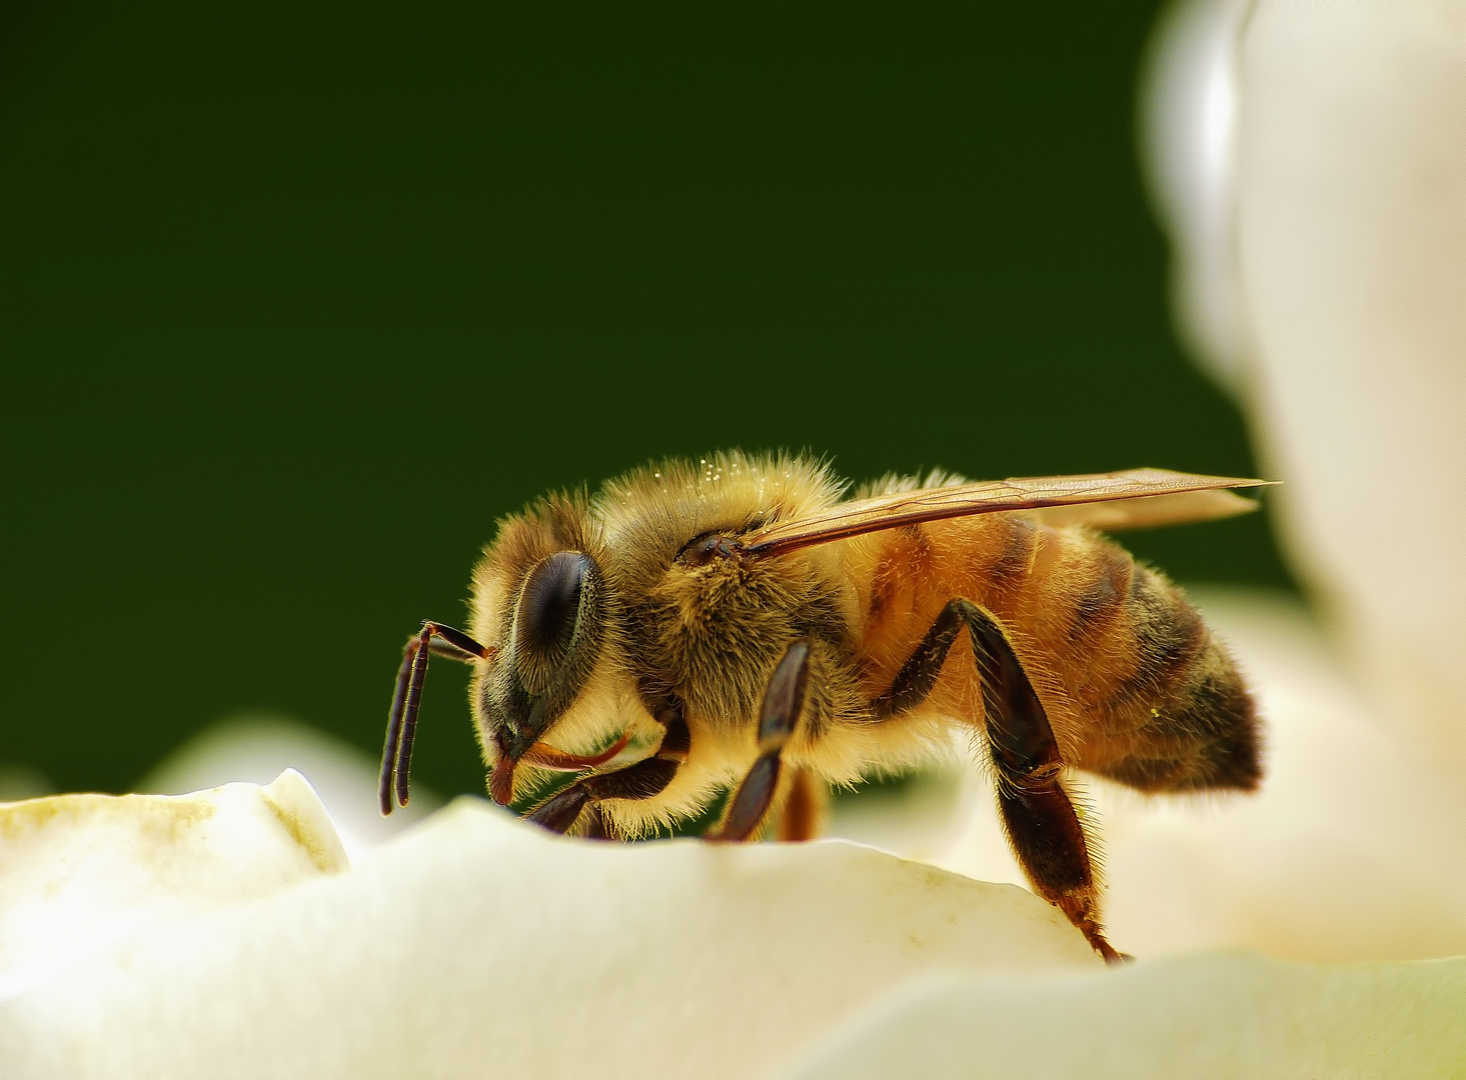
<point x="1213" y="1016"/>
<point x="477" y="943"/>
<point x="257" y="748"/>
<point x="84" y="872"/>
<point x="1188" y="121"/>
<point x="1352" y="244"/>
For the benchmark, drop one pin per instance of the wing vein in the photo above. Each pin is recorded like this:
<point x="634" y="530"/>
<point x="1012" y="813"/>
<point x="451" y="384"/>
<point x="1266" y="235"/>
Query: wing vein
<point x="1137" y="498"/>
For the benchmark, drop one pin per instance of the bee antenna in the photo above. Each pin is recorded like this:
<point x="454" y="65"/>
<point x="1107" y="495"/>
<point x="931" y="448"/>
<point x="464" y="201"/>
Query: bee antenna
<point x="402" y="722"/>
<point x="406" y="699"/>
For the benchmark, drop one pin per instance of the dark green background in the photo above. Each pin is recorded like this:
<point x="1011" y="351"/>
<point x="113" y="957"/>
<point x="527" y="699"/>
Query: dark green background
<point x="297" y="298"/>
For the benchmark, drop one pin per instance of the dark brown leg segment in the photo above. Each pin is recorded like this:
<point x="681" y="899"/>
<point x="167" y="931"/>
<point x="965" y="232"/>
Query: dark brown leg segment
<point x="1037" y="813"/>
<point x="561" y="811"/>
<point x="919" y="674"/>
<point x="783" y="702"/>
<point x="407" y="698"/>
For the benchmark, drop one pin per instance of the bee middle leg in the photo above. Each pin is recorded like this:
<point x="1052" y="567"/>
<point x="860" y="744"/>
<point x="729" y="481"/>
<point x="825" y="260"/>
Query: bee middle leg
<point x="783" y="702"/>
<point x="1037" y="813"/>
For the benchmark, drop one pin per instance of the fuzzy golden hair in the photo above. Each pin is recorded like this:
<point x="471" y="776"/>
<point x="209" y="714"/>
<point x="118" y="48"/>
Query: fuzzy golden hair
<point x="1125" y="667"/>
<point x="738" y="623"/>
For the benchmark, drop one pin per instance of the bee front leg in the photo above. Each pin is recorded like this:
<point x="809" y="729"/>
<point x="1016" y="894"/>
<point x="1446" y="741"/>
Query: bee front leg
<point x="643" y="780"/>
<point x="783" y="702"/>
<point x="1037" y="813"/>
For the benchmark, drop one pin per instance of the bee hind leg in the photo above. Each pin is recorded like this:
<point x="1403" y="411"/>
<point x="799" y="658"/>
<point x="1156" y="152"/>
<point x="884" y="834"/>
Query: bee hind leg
<point x="1037" y="812"/>
<point x="783" y="702"/>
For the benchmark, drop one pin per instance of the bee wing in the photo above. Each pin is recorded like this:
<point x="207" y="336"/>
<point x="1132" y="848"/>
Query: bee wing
<point x="1133" y="499"/>
<point x="1148" y="511"/>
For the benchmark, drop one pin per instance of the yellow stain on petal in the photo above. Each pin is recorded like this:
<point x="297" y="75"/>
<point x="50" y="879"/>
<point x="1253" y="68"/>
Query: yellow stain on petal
<point x="298" y="809"/>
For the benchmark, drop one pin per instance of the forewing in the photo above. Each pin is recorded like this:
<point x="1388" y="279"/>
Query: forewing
<point x="1149" y="511"/>
<point x="1146" y="497"/>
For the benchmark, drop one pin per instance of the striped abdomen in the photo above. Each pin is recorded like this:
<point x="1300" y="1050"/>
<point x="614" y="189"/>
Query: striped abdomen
<point x="1136" y="685"/>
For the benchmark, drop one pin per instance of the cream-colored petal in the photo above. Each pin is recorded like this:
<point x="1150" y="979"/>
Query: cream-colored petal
<point x="82" y="873"/>
<point x="1208" y="1016"/>
<point x="1352" y="243"/>
<point x="477" y="944"/>
<point x="257" y="747"/>
<point x="1188" y="120"/>
<point x="1312" y="172"/>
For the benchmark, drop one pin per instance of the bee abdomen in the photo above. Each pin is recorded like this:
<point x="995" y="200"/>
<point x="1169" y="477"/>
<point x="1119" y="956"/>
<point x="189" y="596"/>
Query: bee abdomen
<point x="1182" y="718"/>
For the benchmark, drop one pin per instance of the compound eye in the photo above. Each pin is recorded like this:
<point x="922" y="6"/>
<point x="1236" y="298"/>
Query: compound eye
<point x="549" y="606"/>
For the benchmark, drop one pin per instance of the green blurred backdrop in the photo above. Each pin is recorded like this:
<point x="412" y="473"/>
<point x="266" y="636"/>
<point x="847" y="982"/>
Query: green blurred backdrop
<point x="297" y="298"/>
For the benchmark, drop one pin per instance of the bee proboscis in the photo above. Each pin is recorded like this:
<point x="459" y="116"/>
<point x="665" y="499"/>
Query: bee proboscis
<point x="740" y="624"/>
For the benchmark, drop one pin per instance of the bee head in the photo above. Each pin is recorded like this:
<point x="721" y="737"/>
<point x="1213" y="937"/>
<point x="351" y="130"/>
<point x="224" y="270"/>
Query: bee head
<point x="552" y="641"/>
<point x="552" y="694"/>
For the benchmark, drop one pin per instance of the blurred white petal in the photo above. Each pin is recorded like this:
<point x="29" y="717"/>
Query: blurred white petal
<point x="1352" y="242"/>
<point x="257" y="748"/>
<point x="1188" y="134"/>
<point x="1212" y="1016"/>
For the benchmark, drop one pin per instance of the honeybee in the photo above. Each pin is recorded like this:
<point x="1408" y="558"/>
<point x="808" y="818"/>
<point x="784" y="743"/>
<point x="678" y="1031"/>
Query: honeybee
<point x="740" y="624"/>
